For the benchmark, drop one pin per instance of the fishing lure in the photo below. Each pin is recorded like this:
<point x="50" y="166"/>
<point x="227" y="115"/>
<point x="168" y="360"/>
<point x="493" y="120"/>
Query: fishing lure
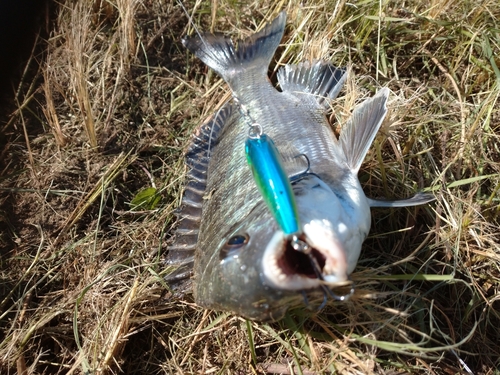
<point x="272" y="182"/>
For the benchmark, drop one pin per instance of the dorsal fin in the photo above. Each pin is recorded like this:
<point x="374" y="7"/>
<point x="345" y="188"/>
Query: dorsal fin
<point x="318" y="80"/>
<point x="182" y="248"/>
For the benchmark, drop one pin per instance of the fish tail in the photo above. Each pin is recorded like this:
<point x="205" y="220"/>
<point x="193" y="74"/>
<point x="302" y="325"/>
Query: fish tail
<point x="252" y="54"/>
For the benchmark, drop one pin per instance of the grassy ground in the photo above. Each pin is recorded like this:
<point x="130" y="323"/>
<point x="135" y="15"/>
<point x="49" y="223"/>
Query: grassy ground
<point x="104" y="113"/>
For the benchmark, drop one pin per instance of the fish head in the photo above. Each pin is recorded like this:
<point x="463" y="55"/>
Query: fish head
<point x="333" y="229"/>
<point x="231" y="278"/>
<point x="257" y="271"/>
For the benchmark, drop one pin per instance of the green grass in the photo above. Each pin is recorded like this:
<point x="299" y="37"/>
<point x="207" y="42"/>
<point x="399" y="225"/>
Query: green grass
<point x="104" y="118"/>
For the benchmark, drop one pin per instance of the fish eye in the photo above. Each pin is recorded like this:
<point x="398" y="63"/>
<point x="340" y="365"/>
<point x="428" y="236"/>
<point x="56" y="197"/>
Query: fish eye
<point x="233" y="244"/>
<point x="237" y="241"/>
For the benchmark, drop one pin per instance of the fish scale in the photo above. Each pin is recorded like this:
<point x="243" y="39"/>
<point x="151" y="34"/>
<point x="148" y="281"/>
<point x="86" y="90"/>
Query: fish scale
<point x="230" y="251"/>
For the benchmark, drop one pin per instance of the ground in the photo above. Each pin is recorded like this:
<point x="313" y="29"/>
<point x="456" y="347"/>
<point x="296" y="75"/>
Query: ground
<point x="91" y="172"/>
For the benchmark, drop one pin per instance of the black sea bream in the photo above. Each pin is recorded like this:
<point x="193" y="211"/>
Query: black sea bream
<point x="242" y="261"/>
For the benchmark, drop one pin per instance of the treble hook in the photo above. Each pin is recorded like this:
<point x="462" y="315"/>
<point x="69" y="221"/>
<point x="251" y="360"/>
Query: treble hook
<point x="298" y="176"/>
<point x="301" y="175"/>
<point x="304" y="248"/>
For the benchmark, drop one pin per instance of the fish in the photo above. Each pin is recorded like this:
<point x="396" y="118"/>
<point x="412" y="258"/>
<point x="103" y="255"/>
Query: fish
<point x="228" y="248"/>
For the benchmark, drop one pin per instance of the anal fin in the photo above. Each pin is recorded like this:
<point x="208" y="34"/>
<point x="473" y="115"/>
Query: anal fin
<point x="358" y="133"/>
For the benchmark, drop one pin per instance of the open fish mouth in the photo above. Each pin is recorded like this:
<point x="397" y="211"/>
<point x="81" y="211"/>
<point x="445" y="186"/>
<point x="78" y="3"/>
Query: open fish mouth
<point x="293" y="262"/>
<point x="288" y="268"/>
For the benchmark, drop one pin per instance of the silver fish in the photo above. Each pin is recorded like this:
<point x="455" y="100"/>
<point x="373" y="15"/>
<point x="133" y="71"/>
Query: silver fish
<point x="242" y="261"/>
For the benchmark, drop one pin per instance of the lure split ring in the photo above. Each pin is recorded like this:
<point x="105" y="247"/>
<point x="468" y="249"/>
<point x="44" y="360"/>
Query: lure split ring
<point x="255" y="131"/>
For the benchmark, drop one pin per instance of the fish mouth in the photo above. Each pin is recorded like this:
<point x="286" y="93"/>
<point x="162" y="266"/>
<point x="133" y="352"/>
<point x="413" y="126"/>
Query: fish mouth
<point x="287" y="268"/>
<point x="293" y="262"/>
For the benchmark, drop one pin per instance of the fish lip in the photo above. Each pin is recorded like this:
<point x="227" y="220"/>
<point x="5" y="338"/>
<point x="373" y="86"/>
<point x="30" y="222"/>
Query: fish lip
<point x="280" y="265"/>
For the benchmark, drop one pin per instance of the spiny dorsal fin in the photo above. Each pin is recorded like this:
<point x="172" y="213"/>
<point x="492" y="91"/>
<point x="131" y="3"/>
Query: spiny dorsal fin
<point x="319" y="80"/>
<point x="181" y="250"/>
<point x="358" y="133"/>
<point x="254" y="52"/>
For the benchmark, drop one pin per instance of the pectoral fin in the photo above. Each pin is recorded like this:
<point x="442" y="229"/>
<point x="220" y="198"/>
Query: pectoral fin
<point x="416" y="200"/>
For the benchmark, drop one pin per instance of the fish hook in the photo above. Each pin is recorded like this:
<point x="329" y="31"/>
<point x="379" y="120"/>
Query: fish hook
<point x="306" y="300"/>
<point x="299" y="176"/>
<point x="304" y="248"/>
<point x="304" y="295"/>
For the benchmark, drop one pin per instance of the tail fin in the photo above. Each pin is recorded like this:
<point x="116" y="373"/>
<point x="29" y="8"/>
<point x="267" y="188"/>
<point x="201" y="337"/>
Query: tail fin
<point x="228" y="60"/>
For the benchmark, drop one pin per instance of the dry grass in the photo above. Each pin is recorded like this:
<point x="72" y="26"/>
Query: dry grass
<point x="106" y="116"/>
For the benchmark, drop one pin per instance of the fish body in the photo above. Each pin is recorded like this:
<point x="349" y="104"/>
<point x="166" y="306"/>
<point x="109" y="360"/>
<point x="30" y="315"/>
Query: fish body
<point x="243" y="260"/>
